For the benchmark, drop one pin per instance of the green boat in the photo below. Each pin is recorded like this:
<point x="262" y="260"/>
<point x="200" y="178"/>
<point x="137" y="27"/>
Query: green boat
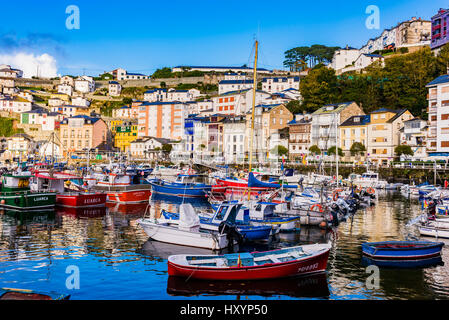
<point x="15" y="194"/>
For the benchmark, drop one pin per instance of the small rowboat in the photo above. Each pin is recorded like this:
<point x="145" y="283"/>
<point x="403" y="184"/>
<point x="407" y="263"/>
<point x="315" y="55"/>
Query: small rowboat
<point x="402" y="250"/>
<point x="25" y="294"/>
<point x="280" y="263"/>
<point x="432" y="231"/>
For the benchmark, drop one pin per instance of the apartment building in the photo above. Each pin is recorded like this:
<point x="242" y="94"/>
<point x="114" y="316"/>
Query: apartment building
<point x="161" y="119"/>
<point x="438" y="110"/>
<point x="384" y="131"/>
<point x="326" y="120"/>
<point x="82" y="132"/>
<point x="166" y="95"/>
<point x="124" y="132"/>
<point x="354" y="129"/>
<point x="238" y="102"/>
<point x="68" y="80"/>
<point x="299" y="136"/>
<point x="268" y="120"/>
<point x="439" y="32"/>
<point x="344" y="58"/>
<point x="235" y="139"/>
<point x="21" y="145"/>
<point x="122" y="74"/>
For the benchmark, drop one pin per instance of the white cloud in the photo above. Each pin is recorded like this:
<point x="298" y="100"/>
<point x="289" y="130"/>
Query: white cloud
<point x="30" y="64"/>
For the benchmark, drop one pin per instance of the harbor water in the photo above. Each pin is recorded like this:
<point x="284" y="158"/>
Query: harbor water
<point x="113" y="258"/>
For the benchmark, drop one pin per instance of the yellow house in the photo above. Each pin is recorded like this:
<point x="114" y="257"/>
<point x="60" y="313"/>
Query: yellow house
<point x="354" y="129"/>
<point x="384" y="134"/>
<point x="124" y="133"/>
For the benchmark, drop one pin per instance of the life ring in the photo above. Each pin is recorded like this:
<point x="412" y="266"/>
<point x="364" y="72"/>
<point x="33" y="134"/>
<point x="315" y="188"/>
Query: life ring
<point x="318" y="206"/>
<point x="335" y="195"/>
<point x="370" y="191"/>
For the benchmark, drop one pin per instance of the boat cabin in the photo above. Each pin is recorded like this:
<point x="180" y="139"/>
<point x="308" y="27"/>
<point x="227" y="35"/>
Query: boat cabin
<point x="370" y="176"/>
<point x="192" y="179"/>
<point x="18" y="181"/>
<point x="227" y="212"/>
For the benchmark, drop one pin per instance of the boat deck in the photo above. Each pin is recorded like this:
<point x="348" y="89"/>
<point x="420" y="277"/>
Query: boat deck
<point x="247" y="259"/>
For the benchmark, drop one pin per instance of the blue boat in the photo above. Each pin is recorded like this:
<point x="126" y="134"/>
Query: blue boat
<point x="262" y="213"/>
<point x="253" y="182"/>
<point x="26" y="294"/>
<point x="226" y="212"/>
<point x="184" y="186"/>
<point x="402" y="250"/>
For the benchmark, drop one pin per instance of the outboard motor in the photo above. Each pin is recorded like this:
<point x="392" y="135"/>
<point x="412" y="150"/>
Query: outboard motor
<point x="232" y="233"/>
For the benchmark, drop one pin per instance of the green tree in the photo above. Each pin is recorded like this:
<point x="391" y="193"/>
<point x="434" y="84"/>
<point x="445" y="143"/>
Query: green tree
<point x="357" y="148"/>
<point x="315" y="150"/>
<point x="403" y="150"/>
<point x="319" y="88"/>
<point x="331" y="151"/>
<point x="163" y="73"/>
<point x="280" y="150"/>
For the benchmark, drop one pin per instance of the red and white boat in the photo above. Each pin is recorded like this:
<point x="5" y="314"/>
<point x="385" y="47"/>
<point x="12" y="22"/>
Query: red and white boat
<point x="76" y="197"/>
<point x="124" y="188"/>
<point x="280" y="263"/>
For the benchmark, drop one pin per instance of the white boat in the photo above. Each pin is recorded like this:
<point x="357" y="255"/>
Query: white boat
<point x="186" y="233"/>
<point x="432" y="231"/>
<point x="370" y="179"/>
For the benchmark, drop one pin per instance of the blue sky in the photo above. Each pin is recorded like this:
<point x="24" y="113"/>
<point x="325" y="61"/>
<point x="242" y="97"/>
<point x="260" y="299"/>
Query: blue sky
<point x="142" y="36"/>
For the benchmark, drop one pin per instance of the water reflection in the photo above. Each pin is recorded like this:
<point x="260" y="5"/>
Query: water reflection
<point x="118" y="261"/>
<point x="313" y="286"/>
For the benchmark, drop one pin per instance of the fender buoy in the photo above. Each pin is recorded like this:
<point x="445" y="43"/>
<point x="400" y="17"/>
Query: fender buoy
<point x="335" y="195"/>
<point x="370" y="191"/>
<point x="317" y="206"/>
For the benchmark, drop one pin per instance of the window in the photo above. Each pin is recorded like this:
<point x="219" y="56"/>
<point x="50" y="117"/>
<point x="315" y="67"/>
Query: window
<point x="444" y="116"/>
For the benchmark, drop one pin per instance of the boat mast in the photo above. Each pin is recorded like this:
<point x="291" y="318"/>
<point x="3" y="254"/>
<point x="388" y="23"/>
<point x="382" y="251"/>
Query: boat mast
<point x="252" y="116"/>
<point x="336" y="146"/>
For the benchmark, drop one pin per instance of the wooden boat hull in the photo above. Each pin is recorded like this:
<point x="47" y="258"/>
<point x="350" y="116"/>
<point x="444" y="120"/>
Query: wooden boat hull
<point x="81" y="200"/>
<point x="402" y="250"/>
<point x="313" y="264"/>
<point x="406" y="264"/>
<point x="27" y="201"/>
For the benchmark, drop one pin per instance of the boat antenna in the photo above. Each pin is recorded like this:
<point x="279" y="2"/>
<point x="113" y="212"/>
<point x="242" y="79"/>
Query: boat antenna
<point x="252" y="116"/>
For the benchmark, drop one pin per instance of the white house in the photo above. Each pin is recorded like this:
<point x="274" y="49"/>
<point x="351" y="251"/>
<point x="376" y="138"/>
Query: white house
<point x="234" y="137"/>
<point x="14" y="104"/>
<point x="364" y="60"/>
<point x="7" y="72"/>
<point x="65" y="89"/>
<point x="344" y="58"/>
<point x="278" y="84"/>
<point x="148" y="147"/>
<point x="114" y="88"/>
<point x="68" y="80"/>
<point x="165" y="95"/>
<point x="238" y="102"/>
<point x="233" y="85"/>
<point x="85" y="84"/>
<point x="122" y="74"/>
<point x="414" y="134"/>
<point x="48" y="120"/>
<point x="80" y="101"/>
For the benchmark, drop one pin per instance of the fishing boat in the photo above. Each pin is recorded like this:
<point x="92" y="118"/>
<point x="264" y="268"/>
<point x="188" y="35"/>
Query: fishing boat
<point x="405" y="250"/>
<point x="68" y="193"/>
<point x="124" y="188"/>
<point x="185" y="185"/>
<point x="15" y="193"/>
<point x="432" y="231"/>
<point x="263" y="214"/>
<point x="25" y="294"/>
<point x="187" y="231"/>
<point x="225" y="212"/>
<point x="370" y="179"/>
<point x="279" y="263"/>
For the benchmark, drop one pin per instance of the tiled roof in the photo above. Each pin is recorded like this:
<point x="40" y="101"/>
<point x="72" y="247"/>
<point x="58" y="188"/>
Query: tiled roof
<point x="440" y="79"/>
<point x="362" y="120"/>
<point x="337" y="108"/>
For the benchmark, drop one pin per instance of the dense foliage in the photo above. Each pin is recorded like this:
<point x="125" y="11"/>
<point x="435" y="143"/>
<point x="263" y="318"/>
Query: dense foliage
<point x="400" y="83"/>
